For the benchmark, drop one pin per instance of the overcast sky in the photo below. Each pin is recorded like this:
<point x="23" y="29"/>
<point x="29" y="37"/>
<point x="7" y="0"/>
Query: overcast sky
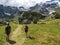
<point x="25" y="3"/>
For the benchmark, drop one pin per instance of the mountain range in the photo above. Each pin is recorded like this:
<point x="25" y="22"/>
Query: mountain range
<point x="45" y="8"/>
<point x="42" y="8"/>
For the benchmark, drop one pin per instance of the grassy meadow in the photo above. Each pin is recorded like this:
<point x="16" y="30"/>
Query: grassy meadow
<point x="44" y="34"/>
<point x="39" y="34"/>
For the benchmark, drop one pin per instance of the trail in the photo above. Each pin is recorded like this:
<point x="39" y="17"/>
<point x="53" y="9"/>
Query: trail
<point x="17" y="36"/>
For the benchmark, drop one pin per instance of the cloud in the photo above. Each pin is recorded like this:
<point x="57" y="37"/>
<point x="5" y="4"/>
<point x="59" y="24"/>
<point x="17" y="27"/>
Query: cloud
<point x="24" y="3"/>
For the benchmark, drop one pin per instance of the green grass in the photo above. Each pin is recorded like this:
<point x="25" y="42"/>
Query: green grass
<point x="2" y="33"/>
<point x="44" y="34"/>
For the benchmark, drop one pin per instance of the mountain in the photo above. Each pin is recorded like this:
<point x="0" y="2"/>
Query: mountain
<point x="45" y="8"/>
<point x="52" y="4"/>
<point x="39" y="9"/>
<point x="22" y="9"/>
<point x="7" y="11"/>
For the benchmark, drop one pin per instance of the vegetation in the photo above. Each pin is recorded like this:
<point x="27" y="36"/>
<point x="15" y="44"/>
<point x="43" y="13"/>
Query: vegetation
<point x="57" y="14"/>
<point x="29" y="17"/>
<point x="44" y="34"/>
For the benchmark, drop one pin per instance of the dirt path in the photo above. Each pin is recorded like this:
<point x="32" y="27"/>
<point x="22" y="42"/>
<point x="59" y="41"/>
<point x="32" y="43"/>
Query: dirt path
<point x="17" y="36"/>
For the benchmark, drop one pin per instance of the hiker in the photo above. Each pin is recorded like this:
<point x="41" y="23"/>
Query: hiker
<point x="8" y="30"/>
<point x="26" y="29"/>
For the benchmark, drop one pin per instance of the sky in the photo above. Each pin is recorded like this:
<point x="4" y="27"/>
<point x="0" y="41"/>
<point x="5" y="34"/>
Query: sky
<point x="24" y="3"/>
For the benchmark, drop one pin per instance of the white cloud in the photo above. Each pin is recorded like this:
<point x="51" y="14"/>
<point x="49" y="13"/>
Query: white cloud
<point x="25" y="3"/>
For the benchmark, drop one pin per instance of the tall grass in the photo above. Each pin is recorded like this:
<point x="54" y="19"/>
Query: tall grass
<point x="44" y="34"/>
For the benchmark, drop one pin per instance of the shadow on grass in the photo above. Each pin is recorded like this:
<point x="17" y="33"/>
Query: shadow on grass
<point x="10" y="41"/>
<point x="31" y="37"/>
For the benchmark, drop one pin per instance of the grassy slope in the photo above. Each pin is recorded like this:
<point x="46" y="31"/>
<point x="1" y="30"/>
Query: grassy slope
<point x="44" y="34"/>
<point x="2" y="33"/>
